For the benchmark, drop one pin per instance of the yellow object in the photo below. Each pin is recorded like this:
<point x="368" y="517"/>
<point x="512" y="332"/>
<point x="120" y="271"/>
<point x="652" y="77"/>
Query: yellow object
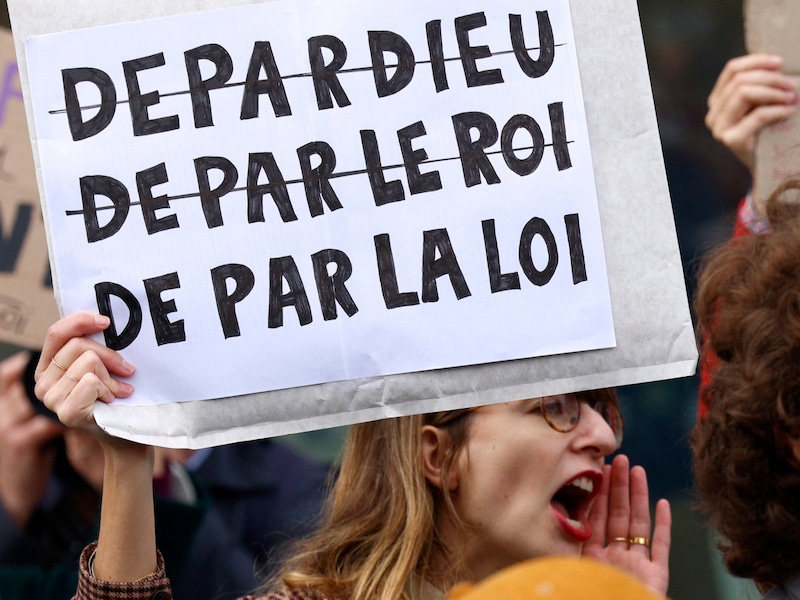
<point x="556" y="578"/>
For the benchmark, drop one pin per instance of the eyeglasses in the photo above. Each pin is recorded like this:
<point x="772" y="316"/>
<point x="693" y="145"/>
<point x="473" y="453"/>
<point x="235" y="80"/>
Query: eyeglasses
<point x="563" y="413"/>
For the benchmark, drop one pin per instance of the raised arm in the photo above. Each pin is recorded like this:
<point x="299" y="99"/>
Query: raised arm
<point x="74" y="372"/>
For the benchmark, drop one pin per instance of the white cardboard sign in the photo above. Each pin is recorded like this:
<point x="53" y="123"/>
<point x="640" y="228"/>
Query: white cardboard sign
<point x="355" y="200"/>
<point x="274" y="192"/>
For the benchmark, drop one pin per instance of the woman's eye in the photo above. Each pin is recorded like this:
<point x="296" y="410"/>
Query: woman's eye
<point x="554" y="408"/>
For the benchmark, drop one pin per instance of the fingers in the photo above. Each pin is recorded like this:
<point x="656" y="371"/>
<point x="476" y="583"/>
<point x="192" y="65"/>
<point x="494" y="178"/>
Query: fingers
<point x="662" y="538"/>
<point x="744" y="64"/>
<point x="74" y="370"/>
<point x="628" y="512"/>
<point x="749" y="94"/>
<point x="639" y="511"/>
<point x="598" y="515"/>
<point x="67" y="338"/>
<point x="619" y="510"/>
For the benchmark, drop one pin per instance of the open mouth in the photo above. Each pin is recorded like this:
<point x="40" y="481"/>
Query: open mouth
<point x="572" y="502"/>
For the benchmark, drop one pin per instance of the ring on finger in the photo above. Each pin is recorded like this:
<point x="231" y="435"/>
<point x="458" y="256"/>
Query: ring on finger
<point x="72" y="379"/>
<point x="55" y="362"/>
<point x="619" y="539"/>
<point x="641" y="541"/>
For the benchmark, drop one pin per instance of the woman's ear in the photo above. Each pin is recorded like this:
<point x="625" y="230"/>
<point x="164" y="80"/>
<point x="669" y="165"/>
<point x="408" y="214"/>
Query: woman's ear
<point x="436" y="445"/>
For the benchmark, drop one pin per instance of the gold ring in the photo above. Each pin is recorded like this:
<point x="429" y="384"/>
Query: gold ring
<point x="53" y="360"/>
<point x="619" y="539"/>
<point x="72" y="379"/>
<point x="640" y="540"/>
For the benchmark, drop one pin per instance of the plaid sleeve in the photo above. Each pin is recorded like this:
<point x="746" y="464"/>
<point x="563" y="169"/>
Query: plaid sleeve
<point x="154" y="587"/>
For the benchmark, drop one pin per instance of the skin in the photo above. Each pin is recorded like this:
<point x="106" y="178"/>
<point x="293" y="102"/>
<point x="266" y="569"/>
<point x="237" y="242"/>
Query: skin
<point x="511" y="467"/>
<point x="126" y="548"/>
<point x="26" y="458"/>
<point x="750" y="93"/>
<point x="504" y="480"/>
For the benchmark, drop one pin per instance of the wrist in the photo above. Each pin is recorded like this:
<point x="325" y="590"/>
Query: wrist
<point x="128" y="460"/>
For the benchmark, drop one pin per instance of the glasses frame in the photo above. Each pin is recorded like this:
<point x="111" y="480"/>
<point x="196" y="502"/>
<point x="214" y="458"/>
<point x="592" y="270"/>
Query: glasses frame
<point x="611" y="415"/>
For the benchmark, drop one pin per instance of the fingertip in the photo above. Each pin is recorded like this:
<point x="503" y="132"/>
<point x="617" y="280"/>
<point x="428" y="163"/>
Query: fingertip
<point x="127" y="367"/>
<point x="774" y="59"/>
<point x="124" y="389"/>
<point x="102" y="321"/>
<point x="621" y="461"/>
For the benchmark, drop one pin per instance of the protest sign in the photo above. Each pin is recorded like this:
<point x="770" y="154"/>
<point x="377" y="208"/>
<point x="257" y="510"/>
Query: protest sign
<point x="27" y="305"/>
<point x="771" y="26"/>
<point x="367" y="213"/>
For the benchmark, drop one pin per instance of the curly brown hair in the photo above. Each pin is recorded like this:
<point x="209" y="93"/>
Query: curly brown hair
<point x="748" y="307"/>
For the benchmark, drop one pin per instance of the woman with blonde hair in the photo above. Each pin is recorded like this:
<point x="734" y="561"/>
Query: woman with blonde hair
<point x="421" y="502"/>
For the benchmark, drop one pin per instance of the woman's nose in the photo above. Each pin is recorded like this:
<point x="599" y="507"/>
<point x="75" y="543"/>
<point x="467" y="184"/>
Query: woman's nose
<point x="595" y="432"/>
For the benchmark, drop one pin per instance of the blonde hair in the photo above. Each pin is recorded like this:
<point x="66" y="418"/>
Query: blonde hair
<point x="384" y="520"/>
<point x="382" y="515"/>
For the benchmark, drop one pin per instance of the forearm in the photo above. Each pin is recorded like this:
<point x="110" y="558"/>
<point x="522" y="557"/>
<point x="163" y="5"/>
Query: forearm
<point x="126" y="549"/>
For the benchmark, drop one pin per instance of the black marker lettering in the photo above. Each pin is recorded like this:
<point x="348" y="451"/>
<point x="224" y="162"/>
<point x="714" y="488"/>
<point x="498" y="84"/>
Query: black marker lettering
<point x="498" y="281"/>
<point x="534" y="227"/>
<point x="262" y="58"/>
<point x="576" y="257"/>
<point x="145" y="180"/>
<point x="79" y="128"/>
<point x="474" y="161"/>
<point x="527" y="165"/>
<point x="330" y="287"/>
<point x="326" y="83"/>
<point x="315" y="179"/>
<point x="281" y="269"/>
<point x="387" y="41"/>
<point x="139" y="103"/>
<point x="469" y="54"/>
<point x="433" y="242"/>
<point x="383" y="192"/>
<point x="199" y="87"/>
<point x="167" y="332"/>
<point x="276" y="187"/>
<point x="244" y="281"/>
<point x="117" y="341"/>
<point x="417" y="182"/>
<point x="100" y="185"/>
<point x="209" y="199"/>
<point x="387" y="273"/>
<point x="547" y="47"/>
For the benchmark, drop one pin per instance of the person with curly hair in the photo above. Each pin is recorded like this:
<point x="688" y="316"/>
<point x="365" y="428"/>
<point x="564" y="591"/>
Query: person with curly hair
<point x="747" y="444"/>
<point x="421" y="502"/>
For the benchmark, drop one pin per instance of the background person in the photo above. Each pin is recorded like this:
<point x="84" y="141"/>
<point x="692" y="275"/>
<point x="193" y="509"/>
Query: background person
<point x="225" y="525"/>
<point x="747" y="443"/>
